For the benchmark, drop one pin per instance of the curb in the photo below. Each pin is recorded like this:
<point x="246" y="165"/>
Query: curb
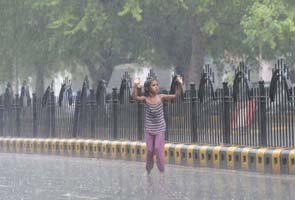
<point x="264" y="160"/>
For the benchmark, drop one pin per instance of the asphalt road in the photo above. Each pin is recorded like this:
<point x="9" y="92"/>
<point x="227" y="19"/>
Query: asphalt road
<point x="41" y="177"/>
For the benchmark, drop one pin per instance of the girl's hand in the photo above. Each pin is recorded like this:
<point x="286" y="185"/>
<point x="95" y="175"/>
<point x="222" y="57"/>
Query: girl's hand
<point x="136" y="81"/>
<point x="179" y="79"/>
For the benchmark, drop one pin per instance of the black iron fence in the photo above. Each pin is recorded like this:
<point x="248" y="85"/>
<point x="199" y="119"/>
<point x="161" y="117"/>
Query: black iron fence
<point x="241" y="114"/>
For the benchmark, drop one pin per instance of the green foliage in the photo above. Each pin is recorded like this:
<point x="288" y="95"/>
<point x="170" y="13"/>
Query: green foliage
<point x="209" y="27"/>
<point x="62" y="33"/>
<point x="267" y="23"/>
<point x="132" y="6"/>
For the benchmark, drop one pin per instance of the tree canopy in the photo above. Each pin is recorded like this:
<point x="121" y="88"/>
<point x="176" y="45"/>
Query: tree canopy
<point x="43" y="37"/>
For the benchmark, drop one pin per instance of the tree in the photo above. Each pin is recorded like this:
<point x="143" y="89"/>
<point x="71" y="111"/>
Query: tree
<point x="91" y="33"/>
<point x="26" y="46"/>
<point x="11" y="40"/>
<point x="48" y="35"/>
<point x="247" y="28"/>
<point x="188" y="30"/>
<point x="266" y="26"/>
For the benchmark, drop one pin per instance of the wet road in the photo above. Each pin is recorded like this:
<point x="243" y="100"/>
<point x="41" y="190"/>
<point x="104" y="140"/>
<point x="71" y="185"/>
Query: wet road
<point x="36" y="177"/>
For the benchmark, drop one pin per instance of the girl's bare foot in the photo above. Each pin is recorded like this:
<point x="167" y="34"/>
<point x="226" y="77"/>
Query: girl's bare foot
<point x="147" y="173"/>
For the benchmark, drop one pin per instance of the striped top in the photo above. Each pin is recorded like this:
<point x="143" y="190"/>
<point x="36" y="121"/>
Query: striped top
<point x="154" y="118"/>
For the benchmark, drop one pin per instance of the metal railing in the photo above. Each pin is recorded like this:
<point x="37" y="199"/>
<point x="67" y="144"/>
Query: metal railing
<point x="240" y="115"/>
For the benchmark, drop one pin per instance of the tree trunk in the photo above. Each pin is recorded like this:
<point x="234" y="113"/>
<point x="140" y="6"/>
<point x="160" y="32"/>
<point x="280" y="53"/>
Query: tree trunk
<point x="105" y="72"/>
<point x="97" y="73"/>
<point x="92" y="69"/>
<point x="16" y="76"/>
<point x="39" y="80"/>
<point x="260" y="62"/>
<point x="197" y="54"/>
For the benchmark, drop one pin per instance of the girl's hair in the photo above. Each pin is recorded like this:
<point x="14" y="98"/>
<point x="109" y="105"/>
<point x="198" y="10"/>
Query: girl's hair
<point x="147" y="86"/>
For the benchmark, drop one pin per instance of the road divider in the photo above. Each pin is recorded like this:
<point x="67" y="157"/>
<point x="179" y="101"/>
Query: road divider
<point x="263" y="160"/>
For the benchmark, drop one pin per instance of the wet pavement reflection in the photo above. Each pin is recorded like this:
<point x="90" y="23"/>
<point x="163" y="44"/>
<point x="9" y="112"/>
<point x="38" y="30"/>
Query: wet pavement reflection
<point x="37" y="177"/>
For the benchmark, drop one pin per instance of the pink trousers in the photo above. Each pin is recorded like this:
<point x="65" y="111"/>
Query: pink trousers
<point x="155" y="144"/>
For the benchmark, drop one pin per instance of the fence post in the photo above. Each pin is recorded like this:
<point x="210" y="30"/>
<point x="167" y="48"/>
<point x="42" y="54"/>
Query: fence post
<point x="226" y="114"/>
<point x="52" y="114"/>
<point x="92" y="114"/>
<point x="34" y="115"/>
<point x="140" y="130"/>
<point x="166" y="116"/>
<point x="76" y="114"/>
<point x="47" y="124"/>
<point x="193" y="99"/>
<point x="262" y="102"/>
<point x="1" y="115"/>
<point x="115" y="112"/>
<point x="17" y="109"/>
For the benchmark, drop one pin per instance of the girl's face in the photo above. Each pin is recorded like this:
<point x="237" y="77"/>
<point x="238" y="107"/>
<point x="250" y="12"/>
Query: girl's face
<point x="154" y="88"/>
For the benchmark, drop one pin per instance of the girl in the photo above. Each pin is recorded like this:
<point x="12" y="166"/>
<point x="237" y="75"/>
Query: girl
<point x="155" y="124"/>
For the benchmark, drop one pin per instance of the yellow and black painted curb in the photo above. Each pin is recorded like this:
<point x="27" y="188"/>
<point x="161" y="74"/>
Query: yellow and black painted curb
<point x="266" y="160"/>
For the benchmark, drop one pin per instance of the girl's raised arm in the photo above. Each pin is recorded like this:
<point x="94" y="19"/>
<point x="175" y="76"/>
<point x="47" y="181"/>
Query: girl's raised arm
<point x="177" y="93"/>
<point x="135" y="94"/>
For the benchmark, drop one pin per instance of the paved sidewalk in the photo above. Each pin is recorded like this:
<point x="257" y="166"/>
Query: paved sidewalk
<point x="35" y="177"/>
